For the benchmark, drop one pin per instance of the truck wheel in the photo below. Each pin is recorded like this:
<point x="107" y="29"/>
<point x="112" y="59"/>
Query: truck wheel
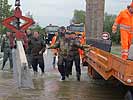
<point x="129" y="96"/>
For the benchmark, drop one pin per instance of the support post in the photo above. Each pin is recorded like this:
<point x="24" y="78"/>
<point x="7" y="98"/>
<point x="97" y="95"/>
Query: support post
<point x="94" y="18"/>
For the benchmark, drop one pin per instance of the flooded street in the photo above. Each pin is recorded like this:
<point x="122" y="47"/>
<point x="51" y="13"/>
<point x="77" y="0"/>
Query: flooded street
<point x="50" y="88"/>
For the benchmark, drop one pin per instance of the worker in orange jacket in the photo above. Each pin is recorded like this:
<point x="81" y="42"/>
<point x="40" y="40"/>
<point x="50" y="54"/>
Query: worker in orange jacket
<point x="125" y="21"/>
<point x="81" y="52"/>
<point x="82" y="40"/>
<point x="54" y="50"/>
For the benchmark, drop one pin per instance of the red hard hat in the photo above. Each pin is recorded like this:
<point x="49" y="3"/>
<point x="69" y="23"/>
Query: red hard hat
<point x="131" y="5"/>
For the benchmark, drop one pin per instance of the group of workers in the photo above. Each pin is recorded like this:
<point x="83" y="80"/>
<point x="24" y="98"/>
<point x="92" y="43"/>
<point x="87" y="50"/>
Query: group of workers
<point x="66" y="44"/>
<point x="34" y="50"/>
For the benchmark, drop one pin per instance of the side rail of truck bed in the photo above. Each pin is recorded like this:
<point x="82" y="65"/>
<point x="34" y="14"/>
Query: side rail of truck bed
<point x="107" y="65"/>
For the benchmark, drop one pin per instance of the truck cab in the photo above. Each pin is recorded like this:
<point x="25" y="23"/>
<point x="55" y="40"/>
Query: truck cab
<point x="50" y="32"/>
<point x="77" y="28"/>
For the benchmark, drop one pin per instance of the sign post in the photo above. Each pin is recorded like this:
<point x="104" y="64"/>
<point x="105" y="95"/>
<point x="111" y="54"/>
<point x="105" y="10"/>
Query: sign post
<point x="20" y="65"/>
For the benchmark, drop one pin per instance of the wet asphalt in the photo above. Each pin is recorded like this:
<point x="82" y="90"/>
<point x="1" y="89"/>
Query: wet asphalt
<point x="49" y="86"/>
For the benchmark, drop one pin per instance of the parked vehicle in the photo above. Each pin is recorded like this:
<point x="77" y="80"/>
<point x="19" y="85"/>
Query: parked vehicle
<point x="50" y="32"/>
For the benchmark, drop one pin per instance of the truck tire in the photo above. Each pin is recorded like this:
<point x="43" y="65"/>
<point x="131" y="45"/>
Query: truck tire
<point x="96" y="75"/>
<point x="93" y="74"/>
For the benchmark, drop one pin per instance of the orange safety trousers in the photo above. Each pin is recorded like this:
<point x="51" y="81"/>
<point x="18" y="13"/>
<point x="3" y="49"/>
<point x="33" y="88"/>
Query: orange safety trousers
<point x="125" y="21"/>
<point x="126" y="40"/>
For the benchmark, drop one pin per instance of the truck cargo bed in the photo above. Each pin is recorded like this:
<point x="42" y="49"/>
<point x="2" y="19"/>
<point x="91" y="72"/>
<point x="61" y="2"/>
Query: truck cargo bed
<point x="110" y="65"/>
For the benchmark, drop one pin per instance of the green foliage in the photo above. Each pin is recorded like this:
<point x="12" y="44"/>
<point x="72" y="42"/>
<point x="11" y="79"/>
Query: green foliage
<point x="79" y="16"/>
<point x="5" y="11"/>
<point x="38" y="28"/>
<point x="108" y="22"/>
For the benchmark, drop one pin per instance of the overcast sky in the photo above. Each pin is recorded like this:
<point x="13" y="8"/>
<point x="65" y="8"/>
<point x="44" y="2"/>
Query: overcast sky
<point x="60" y="12"/>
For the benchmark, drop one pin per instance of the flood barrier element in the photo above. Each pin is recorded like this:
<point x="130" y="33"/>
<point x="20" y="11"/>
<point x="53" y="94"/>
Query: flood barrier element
<point x="21" y="72"/>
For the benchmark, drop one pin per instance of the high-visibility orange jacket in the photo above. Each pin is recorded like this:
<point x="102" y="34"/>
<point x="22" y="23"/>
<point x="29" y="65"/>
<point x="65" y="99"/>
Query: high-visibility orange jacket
<point x="52" y="43"/>
<point x="53" y="40"/>
<point x="125" y="21"/>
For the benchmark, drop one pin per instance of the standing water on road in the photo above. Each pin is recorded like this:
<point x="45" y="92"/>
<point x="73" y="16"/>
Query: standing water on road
<point x="50" y="88"/>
